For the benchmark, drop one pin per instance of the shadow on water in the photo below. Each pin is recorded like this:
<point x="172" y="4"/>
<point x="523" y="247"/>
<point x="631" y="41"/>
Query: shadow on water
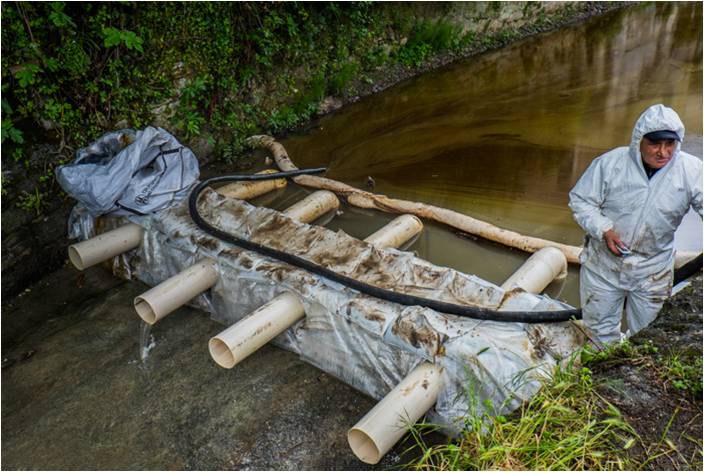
<point x="504" y="136"/>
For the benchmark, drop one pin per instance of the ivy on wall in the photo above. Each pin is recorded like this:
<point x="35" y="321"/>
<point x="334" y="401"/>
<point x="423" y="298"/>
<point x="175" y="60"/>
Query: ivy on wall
<point x="211" y="71"/>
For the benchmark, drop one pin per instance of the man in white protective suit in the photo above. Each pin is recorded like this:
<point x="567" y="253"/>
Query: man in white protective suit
<point x="630" y="201"/>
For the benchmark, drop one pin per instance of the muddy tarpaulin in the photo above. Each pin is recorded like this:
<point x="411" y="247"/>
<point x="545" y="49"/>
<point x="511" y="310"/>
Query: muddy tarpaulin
<point x="368" y="343"/>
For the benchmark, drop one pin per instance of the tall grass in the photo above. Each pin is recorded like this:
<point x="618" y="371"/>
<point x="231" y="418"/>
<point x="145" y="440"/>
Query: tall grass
<point x="567" y="425"/>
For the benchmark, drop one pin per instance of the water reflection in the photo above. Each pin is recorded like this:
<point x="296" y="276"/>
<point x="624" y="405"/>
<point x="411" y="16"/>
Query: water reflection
<point x="504" y="136"/>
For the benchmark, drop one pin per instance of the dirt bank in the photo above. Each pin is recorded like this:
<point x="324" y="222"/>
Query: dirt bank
<point x="655" y="386"/>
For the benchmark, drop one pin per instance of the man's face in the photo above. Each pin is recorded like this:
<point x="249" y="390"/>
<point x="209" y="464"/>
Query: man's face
<point x="657" y="153"/>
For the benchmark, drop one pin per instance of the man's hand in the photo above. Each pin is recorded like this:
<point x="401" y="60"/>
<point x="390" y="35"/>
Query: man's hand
<point x="614" y="243"/>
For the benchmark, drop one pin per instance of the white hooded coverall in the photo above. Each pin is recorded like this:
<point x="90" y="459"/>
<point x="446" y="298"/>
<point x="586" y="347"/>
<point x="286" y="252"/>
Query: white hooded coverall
<point x="615" y="193"/>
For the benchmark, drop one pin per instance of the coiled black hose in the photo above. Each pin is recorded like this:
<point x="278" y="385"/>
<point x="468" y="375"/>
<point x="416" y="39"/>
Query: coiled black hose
<point x="477" y="313"/>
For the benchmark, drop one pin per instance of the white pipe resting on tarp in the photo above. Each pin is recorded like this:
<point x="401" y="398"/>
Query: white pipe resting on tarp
<point x="377" y="432"/>
<point x="105" y="246"/>
<point x="240" y="340"/>
<point x="369" y="343"/>
<point x="541" y="268"/>
<point x="171" y="294"/>
<point x="249" y="190"/>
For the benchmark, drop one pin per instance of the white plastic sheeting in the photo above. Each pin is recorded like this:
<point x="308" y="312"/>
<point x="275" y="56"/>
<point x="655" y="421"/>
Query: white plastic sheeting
<point x="370" y="344"/>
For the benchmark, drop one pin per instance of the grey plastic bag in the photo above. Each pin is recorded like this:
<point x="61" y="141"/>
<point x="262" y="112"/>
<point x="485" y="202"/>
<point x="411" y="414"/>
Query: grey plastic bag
<point x="127" y="172"/>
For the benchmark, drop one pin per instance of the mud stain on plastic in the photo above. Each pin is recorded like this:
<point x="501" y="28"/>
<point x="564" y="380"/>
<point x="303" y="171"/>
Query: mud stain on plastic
<point x="369" y="271"/>
<point x="409" y="390"/>
<point x="121" y="268"/>
<point x="513" y="293"/>
<point x="426" y="276"/>
<point x="375" y="316"/>
<point x="208" y="243"/>
<point x="416" y="332"/>
<point x="243" y="259"/>
<point x="539" y="343"/>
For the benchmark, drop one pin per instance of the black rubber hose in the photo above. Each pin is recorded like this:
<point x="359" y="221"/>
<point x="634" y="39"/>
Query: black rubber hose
<point x="688" y="270"/>
<point x="371" y="290"/>
<point x="478" y="313"/>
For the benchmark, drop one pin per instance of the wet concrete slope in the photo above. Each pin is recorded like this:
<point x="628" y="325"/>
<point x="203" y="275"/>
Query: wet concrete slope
<point x="76" y="394"/>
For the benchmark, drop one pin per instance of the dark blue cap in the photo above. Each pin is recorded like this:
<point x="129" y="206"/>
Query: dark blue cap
<point x="664" y="135"/>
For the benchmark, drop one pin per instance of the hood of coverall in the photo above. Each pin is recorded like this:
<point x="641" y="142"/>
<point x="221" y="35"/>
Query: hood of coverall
<point x="656" y="118"/>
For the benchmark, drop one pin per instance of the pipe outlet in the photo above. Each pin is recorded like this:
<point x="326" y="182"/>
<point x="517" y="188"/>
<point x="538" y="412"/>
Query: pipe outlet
<point x="159" y="301"/>
<point x="249" y="334"/>
<point x="313" y="206"/>
<point x="240" y="340"/>
<point x="386" y="423"/>
<point x="252" y="189"/>
<point x="397" y="232"/>
<point x="538" y="271"/>
<point x="105" y="246"/>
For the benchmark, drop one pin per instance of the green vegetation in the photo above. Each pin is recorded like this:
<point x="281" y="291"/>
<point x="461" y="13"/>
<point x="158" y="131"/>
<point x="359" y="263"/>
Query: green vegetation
<point x="428" y="37"/>
<point x="570" y="424"/>
<point x="213" y="73"/>
<point x="681" y="372"/>
<point x="80" y="69"/>
<point x="32" y="202"/>
<point x="567" y="425"/>
<point x="684" y="374"/>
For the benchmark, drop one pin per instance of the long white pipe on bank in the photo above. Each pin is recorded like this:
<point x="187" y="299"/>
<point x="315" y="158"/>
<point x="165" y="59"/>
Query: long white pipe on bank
<point x="261" y="326"/>
<point x="388" y="421"/>
<point x="541" y="268"/>
<point x="105" y="246"/>
<point x="159" y="301"/>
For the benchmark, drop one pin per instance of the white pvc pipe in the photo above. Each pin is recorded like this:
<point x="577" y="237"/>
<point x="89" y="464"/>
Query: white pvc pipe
<point x="105" y="246"/>
<point x="397" y="232"/>
<point x="538" y="271"/>
<point x="376" y="433"/>
<point x="159" y="301"/>
<point x="386" y="423"/>
<point x="313" y="206"/>
<point x="252" y="189"/>
<point x="249" y="334"/>
<point x="261" y="326"/>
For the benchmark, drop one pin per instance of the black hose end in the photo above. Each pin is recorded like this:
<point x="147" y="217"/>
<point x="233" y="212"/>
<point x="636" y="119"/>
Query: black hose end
<point x="688" y="270"/>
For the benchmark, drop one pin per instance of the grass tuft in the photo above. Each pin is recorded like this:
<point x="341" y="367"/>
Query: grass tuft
<point x="566" y="425"/>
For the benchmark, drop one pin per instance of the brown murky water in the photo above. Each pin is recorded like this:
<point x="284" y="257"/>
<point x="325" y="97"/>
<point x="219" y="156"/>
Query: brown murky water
<point x="505" y="135"/>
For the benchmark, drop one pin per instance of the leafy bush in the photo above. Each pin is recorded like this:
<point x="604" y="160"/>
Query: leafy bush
<point x="428" y="37"/>
<point x="79" y="69"/>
